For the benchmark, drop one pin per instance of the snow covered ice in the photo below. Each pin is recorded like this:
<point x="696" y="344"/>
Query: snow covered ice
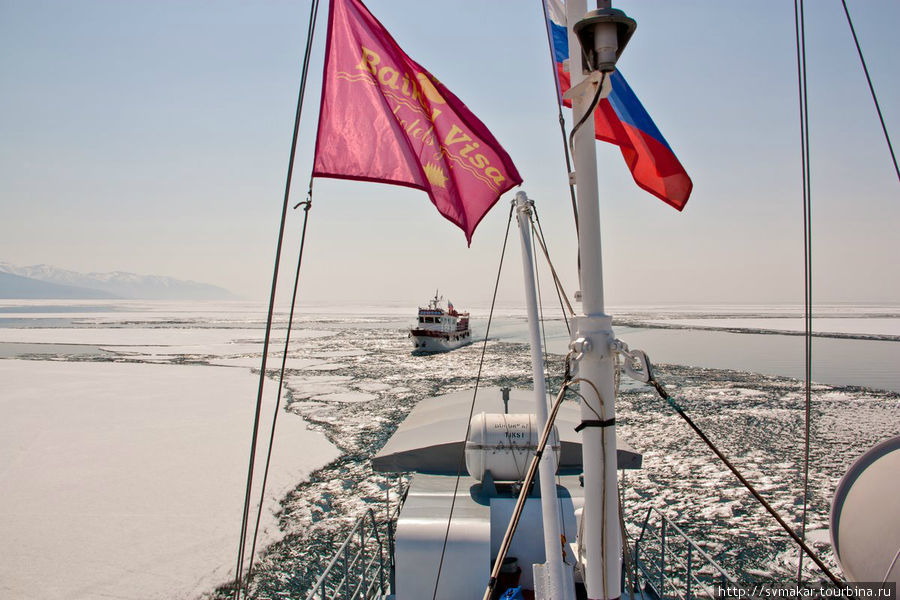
<point x="123" y="463"/>
<point x="126" y="479"/>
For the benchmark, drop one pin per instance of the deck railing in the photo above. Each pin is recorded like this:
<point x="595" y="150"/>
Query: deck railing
<point x="362" y="568"/>
<point x="673" y="565"/>
<point x="670" y="563"/>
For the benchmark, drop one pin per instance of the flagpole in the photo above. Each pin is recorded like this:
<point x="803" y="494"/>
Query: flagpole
<point x="556" y="584"/>
<point x="592" y="341"/>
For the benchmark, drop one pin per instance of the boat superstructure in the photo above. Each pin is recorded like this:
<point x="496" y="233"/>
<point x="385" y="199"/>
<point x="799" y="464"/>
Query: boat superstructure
<point x="438" y="329"/>
<point x="399" y="551"/>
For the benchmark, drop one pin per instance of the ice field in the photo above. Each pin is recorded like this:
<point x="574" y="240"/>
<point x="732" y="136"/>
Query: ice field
<point x="125" y="428"/>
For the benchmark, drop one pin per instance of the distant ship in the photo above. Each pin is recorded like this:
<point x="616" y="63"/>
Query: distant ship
<point x="439" y="330"/>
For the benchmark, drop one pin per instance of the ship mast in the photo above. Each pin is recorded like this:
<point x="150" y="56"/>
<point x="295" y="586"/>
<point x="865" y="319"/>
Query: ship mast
<point x="557" y="587"/>
<point x="601" y="32"/>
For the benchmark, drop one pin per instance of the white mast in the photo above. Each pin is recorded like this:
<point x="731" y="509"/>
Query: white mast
<point x="558" y="590"/>
<point x="593" y="336"/>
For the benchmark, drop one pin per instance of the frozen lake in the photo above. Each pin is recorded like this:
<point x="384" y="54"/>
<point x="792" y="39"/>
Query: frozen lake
<point x="124" y="430"/>
<point x="126" y="479"/>
<point x="852" y="349"/>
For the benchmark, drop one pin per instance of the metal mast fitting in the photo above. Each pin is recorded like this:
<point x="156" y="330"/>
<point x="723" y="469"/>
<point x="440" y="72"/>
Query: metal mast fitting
<point x="603" y="34"/>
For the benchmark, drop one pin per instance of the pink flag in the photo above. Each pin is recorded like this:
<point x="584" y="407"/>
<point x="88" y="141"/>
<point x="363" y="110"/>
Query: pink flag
<point x="385" y="118"/>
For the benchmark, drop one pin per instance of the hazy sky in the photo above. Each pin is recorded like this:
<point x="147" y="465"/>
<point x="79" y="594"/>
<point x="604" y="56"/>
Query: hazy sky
<point x="153" y="137"/>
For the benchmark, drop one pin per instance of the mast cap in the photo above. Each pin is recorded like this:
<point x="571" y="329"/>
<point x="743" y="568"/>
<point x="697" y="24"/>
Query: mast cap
<point x="603" y="34"/>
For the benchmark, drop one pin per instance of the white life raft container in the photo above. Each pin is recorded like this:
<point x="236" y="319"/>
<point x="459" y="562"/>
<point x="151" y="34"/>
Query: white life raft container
<point x="504" y="444"/>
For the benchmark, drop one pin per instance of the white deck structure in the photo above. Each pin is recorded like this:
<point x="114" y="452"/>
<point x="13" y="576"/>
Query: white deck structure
<point x="430" y="443"/>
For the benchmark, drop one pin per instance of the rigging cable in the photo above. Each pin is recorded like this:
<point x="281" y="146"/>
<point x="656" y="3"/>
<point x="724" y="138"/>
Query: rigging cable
<point x="628" y="558"/>
<point x="560" y="291"/>
<point x="562" y="123"/>
<point x="523" y="493"/>
<point x="307" y="204"/>
<point x="538" y="234"/>
<point x="540" y="300"/>
<point x="262" y="371"/>
<point x="601" y="420"/>
<point x="672" y="402"/>
<point x="546" y="369"/>
<point x="587" y="113"/>
<point x="862" y="60"/>
<point x="800" y="37"/>
<point x="462" y="454"/>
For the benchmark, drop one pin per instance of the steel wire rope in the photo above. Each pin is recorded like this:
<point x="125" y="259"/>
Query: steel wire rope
<point x="630" y="567"/>
<point x="749" y="486"/>
<point x="560" y="291"/>
<point x="562" y="124"/>
<point x="557" y="286"/>
<point x="523" y="493"/>
<point x="262" y="371"/>
<point x="307" y="205"/>
<point x="462" y="454"/>
<point x="514" y="447"/>
<point x="532" y="469"/>
<point x="862" y="60"/>
<point x="537" y="277"/>
<point x="890" y="568"/>
<point x="540" y="303"/>
<point x="587" y="113"/>
<point x="800" y="38"/>
<point x="603" y="458"/>
<point x="629" y="556"/>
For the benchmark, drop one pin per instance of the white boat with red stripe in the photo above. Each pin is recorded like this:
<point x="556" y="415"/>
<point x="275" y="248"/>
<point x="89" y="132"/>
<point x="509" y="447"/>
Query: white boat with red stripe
<point x="439" y="329"/>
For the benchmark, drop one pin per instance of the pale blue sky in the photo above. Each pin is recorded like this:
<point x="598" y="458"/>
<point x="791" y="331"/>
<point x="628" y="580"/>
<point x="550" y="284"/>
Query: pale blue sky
<point x="153" y="137"/>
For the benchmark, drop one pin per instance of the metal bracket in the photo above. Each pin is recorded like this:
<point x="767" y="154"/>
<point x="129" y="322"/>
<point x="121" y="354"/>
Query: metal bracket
<point x="588" y="86"/>
<point x="577" y="349"/>
<point x="635" y="363"/>
<point x="579" y="346"/>
<point x="526" y="206"/>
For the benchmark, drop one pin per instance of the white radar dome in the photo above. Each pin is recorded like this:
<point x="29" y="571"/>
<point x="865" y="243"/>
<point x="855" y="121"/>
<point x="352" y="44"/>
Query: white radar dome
<point x="865" y="516"/>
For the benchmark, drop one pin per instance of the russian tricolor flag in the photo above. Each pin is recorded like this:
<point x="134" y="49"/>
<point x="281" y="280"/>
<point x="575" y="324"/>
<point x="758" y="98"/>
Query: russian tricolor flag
<point x="621" y="119"/>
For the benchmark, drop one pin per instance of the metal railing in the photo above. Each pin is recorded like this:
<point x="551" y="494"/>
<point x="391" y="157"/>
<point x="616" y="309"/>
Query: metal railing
<point x="672" y="564"/>
<point x="362" y="568"/>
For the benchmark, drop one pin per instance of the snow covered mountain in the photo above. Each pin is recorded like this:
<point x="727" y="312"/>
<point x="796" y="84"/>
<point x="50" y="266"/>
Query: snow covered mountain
<point x="118" y="284"/>
<point x="18" y="287"/>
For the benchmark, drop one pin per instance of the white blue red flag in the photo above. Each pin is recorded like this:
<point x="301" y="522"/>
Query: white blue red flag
<point x="621" y="119"/>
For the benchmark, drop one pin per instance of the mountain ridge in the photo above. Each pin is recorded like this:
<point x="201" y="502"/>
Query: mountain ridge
<point x="113" y="284"/>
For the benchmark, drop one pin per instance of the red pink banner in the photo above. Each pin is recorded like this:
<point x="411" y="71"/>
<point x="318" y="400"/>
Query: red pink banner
<point x="385" y="118"/>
